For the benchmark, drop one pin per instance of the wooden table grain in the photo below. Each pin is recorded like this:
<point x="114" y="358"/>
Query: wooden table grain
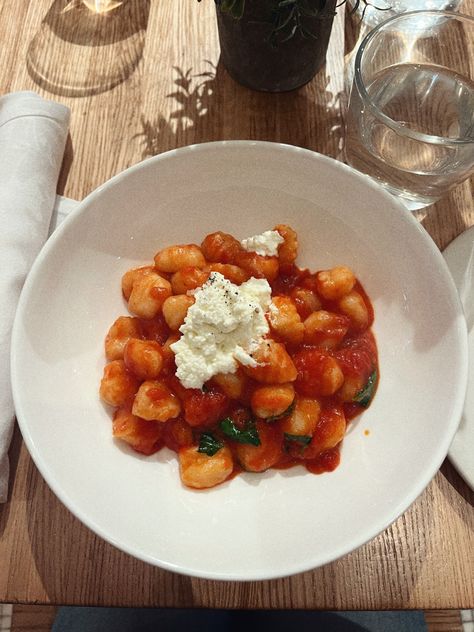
<point x="159" y="86"/>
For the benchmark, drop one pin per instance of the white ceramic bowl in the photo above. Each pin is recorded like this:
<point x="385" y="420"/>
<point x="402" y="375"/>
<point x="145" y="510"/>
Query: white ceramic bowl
<point x="254" y="526"/>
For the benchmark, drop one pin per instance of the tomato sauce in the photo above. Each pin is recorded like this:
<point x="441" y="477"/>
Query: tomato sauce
<point x="325" y="462"/>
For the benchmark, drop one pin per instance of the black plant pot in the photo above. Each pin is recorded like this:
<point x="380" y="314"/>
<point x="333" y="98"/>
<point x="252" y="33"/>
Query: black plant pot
<point x="252" y="60"/>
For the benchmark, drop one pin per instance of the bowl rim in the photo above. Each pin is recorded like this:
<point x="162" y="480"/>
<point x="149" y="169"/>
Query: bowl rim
<point x="309" y="564"/>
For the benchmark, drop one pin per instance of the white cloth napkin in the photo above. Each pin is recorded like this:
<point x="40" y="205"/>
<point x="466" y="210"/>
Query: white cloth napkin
<point x="33" y="135"/>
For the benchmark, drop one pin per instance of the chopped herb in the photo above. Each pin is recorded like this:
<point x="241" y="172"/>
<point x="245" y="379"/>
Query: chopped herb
<point x="205" y="389"/>
<point x="248" y="435"/>
<point x="364" y="396"/>
<point x="209" y="444"/>
<point x="302" y="439"/>
<point x="285" y="413"/>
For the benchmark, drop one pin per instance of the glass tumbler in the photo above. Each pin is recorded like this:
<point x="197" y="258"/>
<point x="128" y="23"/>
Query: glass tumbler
<point x="373" y="14"/>
<point x="410" y="122"/>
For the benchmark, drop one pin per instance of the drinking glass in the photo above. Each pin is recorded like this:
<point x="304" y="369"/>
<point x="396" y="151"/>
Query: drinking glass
<point x="381" y="10"/>
<point x="410" y="122"/>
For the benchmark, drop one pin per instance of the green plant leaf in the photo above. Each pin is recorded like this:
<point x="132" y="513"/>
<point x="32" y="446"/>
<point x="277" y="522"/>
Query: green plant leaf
<point x="248" y="435"/>
<point x="301" y="439"/>
<point x="285" y="413"/>
<point x="288" y="17"/>
<point x="235" y="8"/>
<point x="208" y="444"/>
<point x="365" y="395"/>
<point x="284" y="23"/>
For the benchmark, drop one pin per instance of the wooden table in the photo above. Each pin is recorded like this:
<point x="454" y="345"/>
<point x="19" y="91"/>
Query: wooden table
<point x="175" y="94"/>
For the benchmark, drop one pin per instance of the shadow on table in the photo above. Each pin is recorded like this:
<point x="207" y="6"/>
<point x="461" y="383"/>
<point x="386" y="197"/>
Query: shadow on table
<point x="13" y="457"/>
<point x="441" y="213"/>
<point x="460" y="487"/>
<point x="79" y="52"/>
<point x="209" y="107"/>
<point x="66" y="165"/>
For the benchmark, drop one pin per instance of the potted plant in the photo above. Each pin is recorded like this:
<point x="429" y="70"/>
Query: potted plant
<point x="274" y="45"/>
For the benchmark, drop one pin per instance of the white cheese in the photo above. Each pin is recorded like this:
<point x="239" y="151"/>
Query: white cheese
<point x="224" y="326"/>
<point x="265" y="244"/>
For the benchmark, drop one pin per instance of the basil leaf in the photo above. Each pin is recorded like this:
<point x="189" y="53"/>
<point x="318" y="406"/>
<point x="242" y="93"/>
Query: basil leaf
<point x="248" y="435"/>
<point x="285" y="413"/>
<point x="234" y="7"/>
<point x="209" y="444"/>
<point x="302" y="439"/>
<point x="364" y="396"/>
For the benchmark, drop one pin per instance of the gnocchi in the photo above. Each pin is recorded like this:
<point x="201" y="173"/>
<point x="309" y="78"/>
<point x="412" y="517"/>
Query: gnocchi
<point x="291" y="395"/>
<point x="149" y="292"/>
<point x="325" y="329"/>
<point x="118" y="385"/>
<point x="123" y="329"/>
<point x="232" y="384"/>
<point x="335" y="283"/>
<point x="175" y="309"/>
<point x="353" y="306"/>
<point x="199" y="470"/>
<point x="188" y="278"/>
<point x="144" y="358"/>
<point x="272" y="401"/>
<point x="288" y="250"/>
<point x="274" y="364"/>
<point x="154" y="401"/>
<point x="285" y="321"/>
<point x="131" y="276"/>
<point x="143" y="436"/>
<point x="175" y="258"/>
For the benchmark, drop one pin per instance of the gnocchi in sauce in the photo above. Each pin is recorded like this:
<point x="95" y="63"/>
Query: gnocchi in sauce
<point x="313" y="372"/>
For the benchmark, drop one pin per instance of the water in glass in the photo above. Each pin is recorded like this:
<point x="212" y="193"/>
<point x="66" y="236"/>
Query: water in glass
<point x="427" y="99"/>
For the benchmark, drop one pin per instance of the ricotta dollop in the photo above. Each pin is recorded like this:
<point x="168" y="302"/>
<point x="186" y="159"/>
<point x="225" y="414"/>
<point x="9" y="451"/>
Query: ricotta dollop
<point x="224" y="326"/>
<point x="265" y="244"/>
